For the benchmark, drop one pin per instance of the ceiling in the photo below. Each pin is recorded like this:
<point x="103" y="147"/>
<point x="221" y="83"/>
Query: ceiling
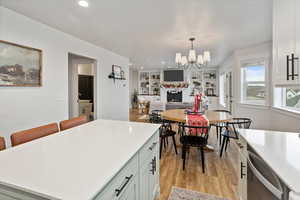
<point x="150" y="32"/>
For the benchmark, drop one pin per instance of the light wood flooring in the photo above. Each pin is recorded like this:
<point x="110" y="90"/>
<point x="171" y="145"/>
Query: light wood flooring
<point x="220" y="177"/>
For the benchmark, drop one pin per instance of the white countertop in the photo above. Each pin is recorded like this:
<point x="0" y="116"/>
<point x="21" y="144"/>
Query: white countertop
<point x="280" y="150"/>
<point x="74" y="164"/>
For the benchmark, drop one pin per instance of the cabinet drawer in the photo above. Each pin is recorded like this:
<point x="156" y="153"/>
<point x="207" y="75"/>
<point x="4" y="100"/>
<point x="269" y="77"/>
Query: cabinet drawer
<point x="120" y="182"/>
<point x="150" y="147"/>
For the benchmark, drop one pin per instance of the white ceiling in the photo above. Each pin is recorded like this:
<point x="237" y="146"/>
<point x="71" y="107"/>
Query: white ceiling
<point x="150" y="32"/>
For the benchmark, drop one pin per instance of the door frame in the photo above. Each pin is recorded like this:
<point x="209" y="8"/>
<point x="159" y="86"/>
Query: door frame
<point x="73" y="83"/>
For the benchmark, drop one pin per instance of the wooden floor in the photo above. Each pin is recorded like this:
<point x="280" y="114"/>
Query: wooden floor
<point x="220" y="177"/>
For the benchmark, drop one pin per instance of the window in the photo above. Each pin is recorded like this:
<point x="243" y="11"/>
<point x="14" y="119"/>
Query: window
<point x="287" y="98"/>
<point x="253" y="89"/>
<point x="222" y="90"/>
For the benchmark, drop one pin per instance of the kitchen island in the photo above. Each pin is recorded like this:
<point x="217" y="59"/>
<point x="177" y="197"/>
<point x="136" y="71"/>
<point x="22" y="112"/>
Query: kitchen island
<point x="103" y="159"/>
<point x="280" y="151"/>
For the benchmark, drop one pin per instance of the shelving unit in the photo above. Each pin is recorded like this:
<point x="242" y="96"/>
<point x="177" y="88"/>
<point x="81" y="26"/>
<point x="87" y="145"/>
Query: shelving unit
<point x="149" y="83"/>
<point x="207" y="80"/>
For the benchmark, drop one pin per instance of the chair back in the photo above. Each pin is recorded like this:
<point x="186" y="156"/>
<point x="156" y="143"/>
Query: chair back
<point x="155" y="117"/>
<point x="2" y="143"/>
<point x="70" y="123"/>
<point x="194" y="131"/>
<point x="226" y="111"/>
<point x="21" y="137"/>
<point x="238" y="123"/>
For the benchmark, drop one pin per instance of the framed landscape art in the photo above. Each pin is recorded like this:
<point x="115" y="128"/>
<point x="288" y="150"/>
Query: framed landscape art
<point x="20" y="65"/>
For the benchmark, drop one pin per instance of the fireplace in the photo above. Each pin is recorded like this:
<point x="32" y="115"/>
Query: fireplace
<point x="174" y="96"/>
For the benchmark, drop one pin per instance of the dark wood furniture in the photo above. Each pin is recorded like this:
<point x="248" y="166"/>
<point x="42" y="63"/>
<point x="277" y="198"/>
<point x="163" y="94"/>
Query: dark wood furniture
<point x="231" y="131"/>
<point x="220" y="125"/>
<point x="165" y="130"/>
<point x="21" y="137"/>
<point x="193" y="136"/>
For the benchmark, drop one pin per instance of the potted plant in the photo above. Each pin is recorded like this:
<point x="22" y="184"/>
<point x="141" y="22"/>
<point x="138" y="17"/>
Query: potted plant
<point x="134" y="100"/>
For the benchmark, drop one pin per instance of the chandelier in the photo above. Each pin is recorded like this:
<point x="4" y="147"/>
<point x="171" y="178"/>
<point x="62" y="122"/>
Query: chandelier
<point x="192" y="61"/>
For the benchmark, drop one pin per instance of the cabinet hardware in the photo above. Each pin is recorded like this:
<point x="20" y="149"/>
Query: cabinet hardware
<point x="119" y="191"/>
<point x="154" y="162"/>
<point x="288" y="67"/>
<point x="153" y="165"/>
<point x="242" y="170"/>
<point x="152" y="170"/>
<point x="152" y="146"/>
<point x="288" y="60"/>
<point x="293" y="66"/>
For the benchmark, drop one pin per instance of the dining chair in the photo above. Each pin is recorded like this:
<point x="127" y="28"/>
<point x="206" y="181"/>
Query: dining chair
<point x="219" y="126"/>
<point x="2" y="143"/>
<point x="231" y="131"/>
<point x="165" y="131"/>
<point x="70" y="123"/>
<point x="193" y="136"/>
<point x="21" y="137"/>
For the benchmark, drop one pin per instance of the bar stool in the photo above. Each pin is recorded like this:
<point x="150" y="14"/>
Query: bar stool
<point x="21" y="137"/>
<point x="2" y="143"/>
<point x="70" y="123"/>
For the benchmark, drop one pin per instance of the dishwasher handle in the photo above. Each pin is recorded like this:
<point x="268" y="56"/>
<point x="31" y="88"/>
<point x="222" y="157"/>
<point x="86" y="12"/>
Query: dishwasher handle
<point x="262" y="179"/>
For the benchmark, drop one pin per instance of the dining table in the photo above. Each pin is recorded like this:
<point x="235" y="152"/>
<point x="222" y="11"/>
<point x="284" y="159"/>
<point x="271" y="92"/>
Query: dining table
<point x="180" y="116"/>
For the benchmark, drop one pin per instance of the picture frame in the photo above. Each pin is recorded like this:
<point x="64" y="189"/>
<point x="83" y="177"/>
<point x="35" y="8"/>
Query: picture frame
<point x="20" y="66"/>
<point x="117" y="71"/>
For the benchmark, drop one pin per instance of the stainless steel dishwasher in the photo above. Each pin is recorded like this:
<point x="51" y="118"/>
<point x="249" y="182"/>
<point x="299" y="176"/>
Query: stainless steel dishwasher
<point x="262" y="182"/>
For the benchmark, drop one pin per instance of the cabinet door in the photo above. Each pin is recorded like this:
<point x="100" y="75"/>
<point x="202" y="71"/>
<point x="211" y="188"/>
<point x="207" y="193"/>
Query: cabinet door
<point x="243" y="178"/>
<point x="144" y="181"/>
<point x="297" y="38"/>
<point x="131" y="193"/>
<point x="283" y="39"/>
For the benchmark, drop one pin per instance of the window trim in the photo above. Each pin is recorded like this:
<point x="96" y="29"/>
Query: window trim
<point x="222" y="101"/>
<point x="253" y="62"/>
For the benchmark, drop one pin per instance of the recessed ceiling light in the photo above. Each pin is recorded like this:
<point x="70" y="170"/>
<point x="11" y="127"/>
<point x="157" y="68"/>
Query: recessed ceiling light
<point x="142" y="68"/>
<point x="83" y="3"/>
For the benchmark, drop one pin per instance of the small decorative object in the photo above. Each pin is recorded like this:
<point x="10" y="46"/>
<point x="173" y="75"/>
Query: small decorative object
<point x="122" y="74"/>
<point x="134" y="101"/>
<point x="20" y="65"/>
<point x="174" y="85"/>
<point x="117" y="71"/>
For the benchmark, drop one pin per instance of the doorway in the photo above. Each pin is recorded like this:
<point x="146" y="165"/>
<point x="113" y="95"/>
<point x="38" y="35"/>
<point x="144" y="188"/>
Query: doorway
<point x="82" y="86"/>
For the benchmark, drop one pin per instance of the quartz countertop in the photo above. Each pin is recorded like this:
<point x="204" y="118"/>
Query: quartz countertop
<point x="280" y="150"/>
<point x="74" y="164"/>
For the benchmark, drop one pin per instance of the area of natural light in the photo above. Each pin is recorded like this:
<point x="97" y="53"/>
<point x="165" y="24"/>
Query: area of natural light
<point x="253" y="84"/>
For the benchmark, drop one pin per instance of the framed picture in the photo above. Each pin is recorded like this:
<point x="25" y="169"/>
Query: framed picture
<point x="20" y="65"/>
<point x="117" y="71"/>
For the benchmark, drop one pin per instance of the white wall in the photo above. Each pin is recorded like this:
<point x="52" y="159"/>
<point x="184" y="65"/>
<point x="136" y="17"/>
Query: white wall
<point x="264" y="117"/>
<point x="25" y="107"/>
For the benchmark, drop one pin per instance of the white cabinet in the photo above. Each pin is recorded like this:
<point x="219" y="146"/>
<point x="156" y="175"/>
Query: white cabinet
<point x="149" y="173"/>
<point x="242" y="168"/>
<point x="286" y="43"/>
